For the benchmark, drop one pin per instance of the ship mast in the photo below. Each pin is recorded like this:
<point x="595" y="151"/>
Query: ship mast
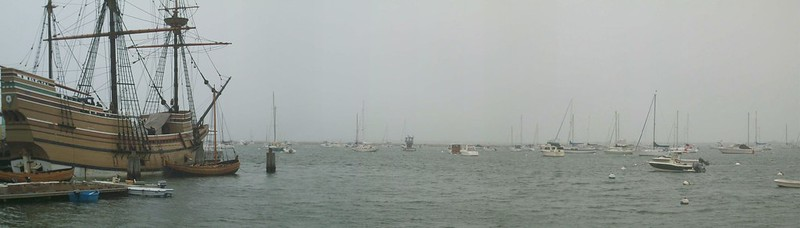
<point x="49" y="39"/>
<point x="112" y="43"/>
<point x="176" y="23"/>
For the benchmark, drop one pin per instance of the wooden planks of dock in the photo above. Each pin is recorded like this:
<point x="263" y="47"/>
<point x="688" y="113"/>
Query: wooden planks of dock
<point x="33" y="190"/>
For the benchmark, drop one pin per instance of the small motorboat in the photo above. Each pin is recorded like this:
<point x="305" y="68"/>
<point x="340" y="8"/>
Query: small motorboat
<point x="673" y="163"/>
<point x="150" y="191"/>
<point x="86" y="196"/>
<point x="787" y="183"/>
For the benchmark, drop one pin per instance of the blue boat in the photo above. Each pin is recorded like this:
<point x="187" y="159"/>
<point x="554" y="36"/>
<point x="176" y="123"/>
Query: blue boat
<point x="86" y="196"/>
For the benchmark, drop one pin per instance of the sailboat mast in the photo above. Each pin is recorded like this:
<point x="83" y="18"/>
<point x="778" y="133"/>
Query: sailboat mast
<point x="274" y="119"/>
<point x="748" y="129"/>
<point x="49" y="39"/>
<point x="677" y="126"/>
<point x="356" y="142"/>
<point x="756" y="128"/>
<point x="214" y="103"/>
<point x="512" y="135"/>
<point x="571" y="128"/>
<point x="363" y="121"/>
<point x="654" y="118"/>
<point x="616" y="127"/>
<point x="520" y="129"/>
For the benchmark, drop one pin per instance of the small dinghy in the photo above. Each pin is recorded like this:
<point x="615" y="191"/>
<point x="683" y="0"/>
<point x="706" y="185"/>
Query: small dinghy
<point x="787" y="183"/>
<point x="87" y="196"/>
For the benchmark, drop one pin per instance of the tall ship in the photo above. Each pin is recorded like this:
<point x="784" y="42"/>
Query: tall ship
<point x="98" y="124"/>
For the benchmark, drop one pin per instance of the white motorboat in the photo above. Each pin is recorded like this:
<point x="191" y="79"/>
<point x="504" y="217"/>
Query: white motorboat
<point x="787" y="183"/>
<point x="553" y="149"/>
<point x="150" y="191"/>
<point x="673" y="163"/>
<point x="409" y="144"/>
<point x="469" y="150"/>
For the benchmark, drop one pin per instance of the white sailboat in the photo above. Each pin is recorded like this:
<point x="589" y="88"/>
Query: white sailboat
<point x="760" y="145"/>
<point x="576" y="147"/>
<point x="514" y="147"/>
<point x="553" y="148"/>
<point x="360" y="146"/>
<point x="276" y="145"/>
<point x="655" y="149"/>
<point x="617" y="146"/>
<point x="741" y="148"/>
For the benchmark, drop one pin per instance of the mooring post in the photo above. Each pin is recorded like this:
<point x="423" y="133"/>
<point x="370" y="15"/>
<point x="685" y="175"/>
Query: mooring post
<point x="270" y="161"/>
<point x="134" y="167"/>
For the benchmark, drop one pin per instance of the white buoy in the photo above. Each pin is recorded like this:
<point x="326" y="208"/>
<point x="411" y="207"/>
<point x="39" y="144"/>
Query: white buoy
<point x="685" y="182"/>
<point x="684" y="201"/>
<point x="612" y="176"/>
<point x="623" y="168"/>
<point x="780" y="173"/>
<point x="738" y="163"/>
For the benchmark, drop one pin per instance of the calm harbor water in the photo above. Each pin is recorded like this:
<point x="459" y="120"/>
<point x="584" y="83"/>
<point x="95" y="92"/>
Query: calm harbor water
<point x="336" y="187"/>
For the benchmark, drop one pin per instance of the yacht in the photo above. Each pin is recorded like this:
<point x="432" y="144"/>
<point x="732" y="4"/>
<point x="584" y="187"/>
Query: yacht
<point x="553" y="149"/>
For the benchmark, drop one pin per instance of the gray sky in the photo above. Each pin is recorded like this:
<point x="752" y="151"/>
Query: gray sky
<point x="464" y="71"/>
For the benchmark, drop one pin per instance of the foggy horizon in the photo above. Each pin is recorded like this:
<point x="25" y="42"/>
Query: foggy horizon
<point x="465" y="71"/>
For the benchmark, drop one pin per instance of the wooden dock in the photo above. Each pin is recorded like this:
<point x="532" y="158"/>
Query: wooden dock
<point x="34" y="190"/>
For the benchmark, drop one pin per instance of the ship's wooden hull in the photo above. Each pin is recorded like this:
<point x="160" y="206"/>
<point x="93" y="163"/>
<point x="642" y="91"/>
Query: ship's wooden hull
<point x="55" y="175"/>
<point x="213" y="169"/>
<point x="68" y="131"/>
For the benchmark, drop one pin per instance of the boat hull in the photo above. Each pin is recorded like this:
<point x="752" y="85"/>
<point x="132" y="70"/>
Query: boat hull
<point x="787" y="183"/>
<point x="553" y="153"/>
<point x="55" y="175"/>
<point x="67" y="131"/>
<point x="736" y="151"/>
<point x="150" y="191"/>
<point x="671" y="167"/>
<point x="579" y="151"/>
<point x="214" y="169"/>
<point x="618" y="152"/>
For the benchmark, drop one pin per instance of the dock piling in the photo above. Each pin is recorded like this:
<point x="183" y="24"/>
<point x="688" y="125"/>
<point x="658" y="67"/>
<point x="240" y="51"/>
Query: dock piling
<point x="270" y="161"/>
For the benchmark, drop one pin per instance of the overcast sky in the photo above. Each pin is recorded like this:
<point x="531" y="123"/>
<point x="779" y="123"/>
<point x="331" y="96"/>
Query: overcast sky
<point x="465" y="71"/>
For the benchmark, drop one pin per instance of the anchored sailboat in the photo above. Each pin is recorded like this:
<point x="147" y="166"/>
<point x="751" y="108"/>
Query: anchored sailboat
<point x="216" y="166"/>
<point x="276" y="145"/>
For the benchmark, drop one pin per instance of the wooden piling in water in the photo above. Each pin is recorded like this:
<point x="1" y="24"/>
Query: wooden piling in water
<point x="270" y="161"/>
<point x="134" y="167"/>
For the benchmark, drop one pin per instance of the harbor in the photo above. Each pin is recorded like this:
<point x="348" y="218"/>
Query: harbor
<point x="178" y="113"/>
